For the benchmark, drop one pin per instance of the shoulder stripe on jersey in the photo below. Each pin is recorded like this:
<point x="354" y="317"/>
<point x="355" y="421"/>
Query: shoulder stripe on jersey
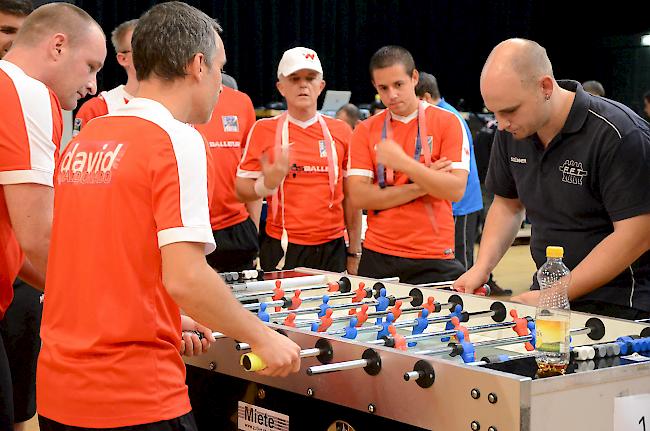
<point x="36" y="108"/>
<point x="191" y="160"/>
<point x="608" y="122"/>
<point x="465" y="152"/>
<point x="248" y="141"/>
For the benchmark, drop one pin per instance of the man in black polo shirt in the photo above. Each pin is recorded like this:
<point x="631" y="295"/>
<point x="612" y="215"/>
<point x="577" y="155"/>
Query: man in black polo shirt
<point x="579" y="166"/>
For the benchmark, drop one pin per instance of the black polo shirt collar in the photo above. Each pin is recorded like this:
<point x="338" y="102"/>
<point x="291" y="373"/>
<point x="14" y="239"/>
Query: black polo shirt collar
<point x="579" y="109"/>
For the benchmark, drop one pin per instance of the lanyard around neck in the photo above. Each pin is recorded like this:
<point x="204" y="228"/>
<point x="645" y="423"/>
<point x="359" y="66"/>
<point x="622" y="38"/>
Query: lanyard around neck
<point x="282" y="142"/>
<point x="385" y="176"/>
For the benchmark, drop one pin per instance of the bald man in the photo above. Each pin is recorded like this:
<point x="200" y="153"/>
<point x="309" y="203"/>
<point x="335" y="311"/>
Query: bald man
<point x="52" y="63"/>
<point x="578" y="165"/>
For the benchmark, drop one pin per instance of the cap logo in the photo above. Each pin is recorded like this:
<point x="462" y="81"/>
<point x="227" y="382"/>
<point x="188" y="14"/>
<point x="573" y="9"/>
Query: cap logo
<point x="309" y="56"/>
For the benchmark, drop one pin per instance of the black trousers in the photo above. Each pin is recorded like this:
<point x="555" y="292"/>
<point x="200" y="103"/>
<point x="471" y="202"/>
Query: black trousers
<point x="329" y="256"/>
<point x="608" y="309"/>
<point x="181" y="423"/>
<point x="412" y="271"/>
<point x="20" y="334"/>
<point x="237" y="247"/>
<point x="466" y="232"/>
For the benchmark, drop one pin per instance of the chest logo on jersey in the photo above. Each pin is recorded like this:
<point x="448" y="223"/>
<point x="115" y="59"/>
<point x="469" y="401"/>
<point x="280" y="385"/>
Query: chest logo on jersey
<point x="572" y="172"/>
<point x="230" y="123"/>
<point x="322" y="149"/>
<point x="90" y="167"/>
<point x="224" y="144"/>
<point x="518" y="160"/>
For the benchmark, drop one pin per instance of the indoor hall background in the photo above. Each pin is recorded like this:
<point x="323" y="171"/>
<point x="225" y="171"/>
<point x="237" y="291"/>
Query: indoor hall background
<point x="448" y="38"/>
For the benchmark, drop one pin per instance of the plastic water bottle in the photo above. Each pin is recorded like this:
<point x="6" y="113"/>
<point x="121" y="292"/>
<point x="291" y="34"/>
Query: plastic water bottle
<point x="553" y="315"/>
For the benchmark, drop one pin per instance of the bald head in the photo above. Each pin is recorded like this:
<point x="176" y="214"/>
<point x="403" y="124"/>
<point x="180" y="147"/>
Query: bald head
<point x="524" y="58"/>
<point x="55" y="18"/>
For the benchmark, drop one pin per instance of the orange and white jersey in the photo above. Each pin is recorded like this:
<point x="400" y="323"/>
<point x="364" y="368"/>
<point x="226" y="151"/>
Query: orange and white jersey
<point x="127" y="185"/>
<point x="311" y="216"/>
<point x="30" y="136"/>
<point x="407" y="230"/>
<point x="226" y="134"/>
<point x="106" y="102"/>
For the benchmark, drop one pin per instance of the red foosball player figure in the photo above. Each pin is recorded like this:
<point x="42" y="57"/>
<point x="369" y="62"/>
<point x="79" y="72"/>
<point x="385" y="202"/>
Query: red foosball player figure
<point x="399" y="342"/>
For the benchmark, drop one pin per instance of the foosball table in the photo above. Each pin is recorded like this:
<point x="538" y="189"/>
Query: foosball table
<point x="379" y="355"/>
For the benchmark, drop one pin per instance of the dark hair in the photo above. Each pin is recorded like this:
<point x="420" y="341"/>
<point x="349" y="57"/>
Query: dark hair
<point x="646" y="96"/>
<point x="427" y="83"/>
<point x="16" y="7"/>
<point x="351" y="110"/>
<point x="117" y="35"/>
<point x="168" y="36"/>
<point x="390" y="55"/>
<point x="594" y="87"/>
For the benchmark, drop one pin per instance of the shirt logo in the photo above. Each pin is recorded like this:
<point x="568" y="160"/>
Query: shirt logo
<point x="230" y="123"/>
<point x="224" y="144"/>
<point x="90" y="167"/>
<point x="572" y="172"/>
<point x="518" y="160"/>
<point x="322" y="150"/>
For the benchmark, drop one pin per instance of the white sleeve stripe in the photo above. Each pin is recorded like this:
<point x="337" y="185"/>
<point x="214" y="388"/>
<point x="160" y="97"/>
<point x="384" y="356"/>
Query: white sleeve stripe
<point x="464" y="151"/>
<point x="37" y="113"/>
<point x="27" y="177"/>
<point x="192" y="164"/>
<point x="460" y="165"/>
<point x="187" y="234"/>
<point x="191" y="160"/>
<point x="248" y="174"/>
<point x="361" y="173"/>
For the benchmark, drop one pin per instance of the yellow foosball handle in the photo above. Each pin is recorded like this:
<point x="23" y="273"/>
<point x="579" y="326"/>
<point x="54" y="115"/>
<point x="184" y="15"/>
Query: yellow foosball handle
<point x="252" y="362"/>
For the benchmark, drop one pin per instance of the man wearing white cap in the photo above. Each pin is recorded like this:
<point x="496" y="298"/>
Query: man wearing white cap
<point x="298" y="161"/>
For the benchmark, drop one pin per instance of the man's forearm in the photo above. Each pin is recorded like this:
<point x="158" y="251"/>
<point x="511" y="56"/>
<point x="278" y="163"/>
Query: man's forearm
<point x="613" y="255"/>
<point x="371" y="197"/>
<point x="353" y="225"/>
<point x="30" y="208"/>
<point x="207" y="299"/>
<point x="439" y="184"/>
<point x="501" y="226"/>
<point x="245" y="189"/>
<point x="254" y="209"/>
<point x="31" y="276"/>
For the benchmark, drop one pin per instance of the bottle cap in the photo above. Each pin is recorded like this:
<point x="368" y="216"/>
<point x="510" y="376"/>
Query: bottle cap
<point x="554" y="251"/>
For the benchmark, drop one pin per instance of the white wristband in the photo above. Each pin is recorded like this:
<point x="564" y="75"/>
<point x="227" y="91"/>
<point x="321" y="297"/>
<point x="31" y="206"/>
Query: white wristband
<point x="261" y="190"/>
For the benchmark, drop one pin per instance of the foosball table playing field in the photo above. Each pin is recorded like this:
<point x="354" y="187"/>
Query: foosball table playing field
<point x="378" y="355"/>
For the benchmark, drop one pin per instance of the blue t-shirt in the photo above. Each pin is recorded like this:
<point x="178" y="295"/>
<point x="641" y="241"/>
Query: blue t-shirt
<point x="472" y="201"/>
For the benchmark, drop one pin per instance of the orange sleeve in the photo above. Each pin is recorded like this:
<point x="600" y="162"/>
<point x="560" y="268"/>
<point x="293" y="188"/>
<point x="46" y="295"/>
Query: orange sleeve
<point x="361" y="159"/>
<point x="260" y="140"/>
<point x="92" y="108"/>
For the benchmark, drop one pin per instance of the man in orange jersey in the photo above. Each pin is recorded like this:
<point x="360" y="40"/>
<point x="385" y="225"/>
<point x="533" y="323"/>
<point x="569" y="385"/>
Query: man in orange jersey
<point x="298" y="162"/>
<point x="407" y="164"/>
<point x="130" y="234"/>
<point x="234" y="224"/>
<point x="52" y="63"/>
<point x="108" y="101"/>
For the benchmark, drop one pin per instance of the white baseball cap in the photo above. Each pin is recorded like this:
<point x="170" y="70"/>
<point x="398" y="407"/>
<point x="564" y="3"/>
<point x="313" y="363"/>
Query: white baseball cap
<point x="299" y="58"/>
